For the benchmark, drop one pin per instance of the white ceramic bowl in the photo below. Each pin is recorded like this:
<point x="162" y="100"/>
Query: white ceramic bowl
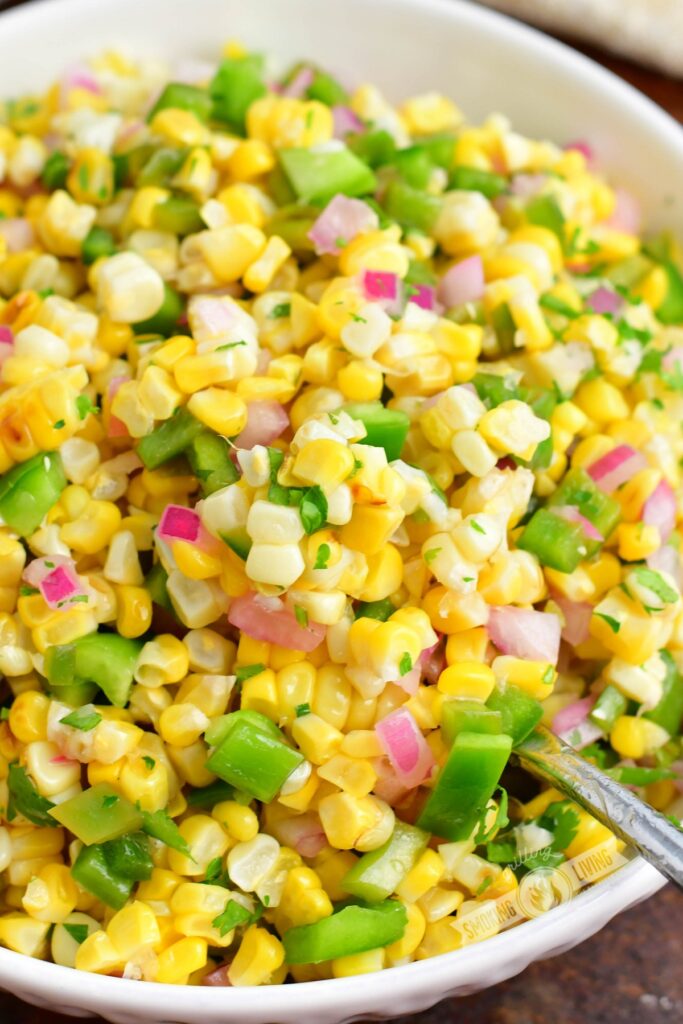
<point x="487" y="63"/>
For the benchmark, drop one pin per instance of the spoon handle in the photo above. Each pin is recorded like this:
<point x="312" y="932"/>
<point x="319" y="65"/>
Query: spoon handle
<point x="655" y="837"/>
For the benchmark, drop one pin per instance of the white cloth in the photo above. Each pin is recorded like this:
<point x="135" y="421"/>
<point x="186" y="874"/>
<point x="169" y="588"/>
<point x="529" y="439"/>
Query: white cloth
<point x="649" y="31"/>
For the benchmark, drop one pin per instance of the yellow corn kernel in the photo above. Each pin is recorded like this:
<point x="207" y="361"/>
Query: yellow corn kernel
<point x="206" y="840"/>
<point x="219" y="410"/>
<point x="132" y="928"/>
<point x="28" y="716"/>
<point x="51" y="895"/>
<point x="636" y="541"/>
<point x="469" y="645"/>
<point x="190" y="764"/>
<point x="370" y="528"/>
<point x="589" y="835"/>
<point x="262" y="271"/>
<point x="345" y="818"/>
<point x="358" y="963"/>
<point x="134" y="611"/>
<point x="24" y="934"/>
<point x="653" y="288"/>
<point x="468" y="680"/>
<point x="239" y="821"/>
<point x="97" y="954"/>
<point x="296" y="685"/>
<point x="93" y="529"/>
<point x="91" y="178"/>
<point x="159" y="887"/>
<point x="353" y="775"/>
<point x="230" y="250"/>
<point x="324" y="462"/>
<point x="427" y="872"/>
<point x="360" y="382"/>
<point x="250" y="160"/>
<point x="181" y="127"/>
<point x="635" y="492"/>
<point x="259" y="956"/>
<point x="194" y="562"/>
<point x="161" y="661"/>
<point x="317" y="739"/>
<point x="260" y="693"/>
<point x="176" y="963"/>
<point x="404" y="947"/>
<point x="601" y="401"/>
<point x="182" y="724"/>
<point x="635" y="737"/>
<point x="534" y="677"/>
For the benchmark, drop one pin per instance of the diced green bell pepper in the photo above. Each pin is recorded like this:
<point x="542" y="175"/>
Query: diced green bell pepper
<point x="179" y="96"/>
<point x="165" y="320"/>
<point x="468" y="716"/>
<point x="161" y="166"/>
<point x="669" y="711"/>
<point x="465" y="784"/>
<point x="671" y="309"/>
<point x="129" y="856"/>
<point x="520" y="712"/>
<point x="97" y="815"/>
<point x="235" y="86"/>
<point x="209" y="458"/>
<point x="545" y="212"/>
<point x="155" y="583"/>
<point x="221" y="726"/>
<point x="377" y="874"/>
<point x="374" y="148"/>
<point x="238" y="540"/>
<point x="169" y="439"/>
<point x="209" y="796"/>
<point x="556" y="542"/>
<point x="55" y="170"/>
<point x="411" y="207"/>
<point x="327" y="90"/>
<point x="505" y="328"/>
<point x="98" y="242"/>
<point x="376" y="609"/>
<point x="106" y="659"/>
<point x="29" y="490"/>
<point x="354" y="929"/>
<point x="92" y="872"/>
<point x="494" y="388"/>
<point x="581" y="491"/>
<point x="415" y="166"/>
<point x="318" y="175"/>
<point x="386" y="428"/>
<point x="177" y="215"/>
<point x="609" y="706"/>
<point x="471" y="179"/>
<point x="253" y="760"/>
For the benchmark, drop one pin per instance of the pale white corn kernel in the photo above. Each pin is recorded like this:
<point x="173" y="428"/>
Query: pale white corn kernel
<point x="27" y="161"/>
<point x="14" y="660"/>
<point x="67" y="794"/>
<point x="42" y="272"/>
<point x="158" y="248"/>
<point x="63" y="945"/>
<point x="460" y="407"/>
<point x="472" y="871"/>
<point x="531" y="838"/>
<point x="478" y="536"/>
<point x="274" y="524"/>
<point x="472" y="451"/>
<point x="150" y="667"/>
<point x="129" y="408"/>
<point x="466" y="223"/>
<point x="214" y="213"/>
<point x="449" y="565"/>
<point x="417" y="485"/>
<point x="453" y="853"/>
<point x="80" y="459"/>
<point x="337" y="639"/>
<point x="224" y="510"/>
<point x="255" y="465"/>
<point x="48" y="776"/>
<point x="297" y="779"/>
<point x="76" y="325"/>
<point x="45" y="346"/>
<point x="208" y="651"/>
<point x="380" y="832"/>
<point x="158" y="392"/>
<point x="6" y="848"/>
<point x="325" y="607"/>
<point x="122" y="564"/>
<point x="643" y="683"/>
<point x="277" y="564"/>
<point x="340" y="505"/>
<point x="367" y="331"/>
<point x="92" y="130"/>
<point x="128" y="288"/>
<point x="250" y="862"/>
<point x="196" y="602"/>
<point x="113" y="740"/>
<point x="65" y="223"/>
<point x="534" y="256"/>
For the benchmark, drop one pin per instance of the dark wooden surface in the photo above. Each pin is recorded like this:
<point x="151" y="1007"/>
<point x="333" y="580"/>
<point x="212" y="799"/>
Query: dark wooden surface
<point x="627" y="974"/>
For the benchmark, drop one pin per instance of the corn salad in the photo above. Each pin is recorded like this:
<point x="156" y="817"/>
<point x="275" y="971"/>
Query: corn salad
<point x="340" y="444"/>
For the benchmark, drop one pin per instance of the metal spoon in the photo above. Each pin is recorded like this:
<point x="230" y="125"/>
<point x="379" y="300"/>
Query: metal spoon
<point x="649" y="832"/>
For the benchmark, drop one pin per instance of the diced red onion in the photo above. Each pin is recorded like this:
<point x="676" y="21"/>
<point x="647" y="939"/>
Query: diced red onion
<point x="432" y="661"/>
<point x="525" y="633"/>
<point x="411" y="680"/>
<point x="423" y="295"/>
<point x="56" y="578"/>
<point x="61" y="759"/>
<point x="266" y="420"/>
<point x="627" y="214"/>
<point x="572" y="515"/>
<point x="660" y="510"/>
<point x="604" y="300"/>
<point x="381" y="285"/>
<point x="577" y="616"/>
<point x="340" y="222"/>
<point x="80" y="78"/>
<point x="6" y="342"/>
<point x="406" y="747"/>
<point x="299" y="84"/>
<point x="616" y="467"/>
<point x="583" y="147"/>
<point x="180" y="523"/>
<point x="218" y="978"/>
<point x="463" y="282"/>
<point x="116" y="427"/>
<point x="666" y="559"/>
<point x="673" y="358"/>
<point x="18" y="233"/>
<point x="527" y="185"/>
<point x="572" y="715"/>
<point x="303" y="833"/>
<point x="388" y="786"/>
<point x="345" y="121"/>
<point x="268" y="619"/>
<point x="213" y="316"/>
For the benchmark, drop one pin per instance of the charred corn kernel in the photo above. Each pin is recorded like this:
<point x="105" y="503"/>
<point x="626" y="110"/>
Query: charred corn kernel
<point x="177" y="962"/>
<point x="24" y="934"/>
<point x="635" y="737"/>
<point x="259" y="956"/>
<point x="534" y="677"/>
<point x="28" y="716"/>
<point x="134" y="610"/>
<point x="467" y="680"/>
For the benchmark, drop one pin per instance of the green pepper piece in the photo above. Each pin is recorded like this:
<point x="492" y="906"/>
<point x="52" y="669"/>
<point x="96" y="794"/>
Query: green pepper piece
<point x="93" y="873"/>
<point x="165" y="320"/>
<point x="108" y="660"/>
<point x="161" y="166"/>
<point x="251" y="760"/>
<point x="98" y="814"/>
<point x="546" y="213"/>
<point x="411" y="207"/>
<point x="441" y="149"/>
<point x="386" y="428"/>
<point x="465" y="784"/>
<point x="221" y="726"/>
<point x="376" y="609"/>
<point x="238" y="540"/>
<point x="209" y="458"/>
<point x="327" y="90"/>
<point x="29" y="490"/>
<point x="608" y="707"/>
<point x="505" y="328"/>
<point x="155" y="583"/>
<point x="178" y="215"/>
<point x="668" y="712"/>
<point x="471" y="179"/>
<point x="377" y="874"/>
<point x="354" y="929"/>
<point x="98" y="242"/>
<point x="555" y="541"/>
<point x="235" y="86"/>
<point x="318" y="175"/>
<point x="415" y="166"/>
<point x="55" y="170"/>
<point x="374" y="148"/>
<point x="169" y="439"/>
<point x="494" y="389"/>
<point x="129" y="856"/>
<point x="293" y="222"/>
<point x="179" y="96"/>
<point x="580" y="490"/>
<point x="671" y="309"/>
<point x="468" y="716"/>
<point x="209" y="796"/>
<point x="629" y="272"/>
<point x="520" y="713"/>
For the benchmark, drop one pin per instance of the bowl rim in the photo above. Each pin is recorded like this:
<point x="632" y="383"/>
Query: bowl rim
<point x="628" y="885"/>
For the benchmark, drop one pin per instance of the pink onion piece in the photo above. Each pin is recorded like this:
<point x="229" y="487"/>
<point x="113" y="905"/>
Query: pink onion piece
<point x="265" y="422"/>
<point x="423" y="295"/>
<point x="218" y="978"/>
<point x="179" y="523"/>
<point x="388" y="786"/>
<point x="406" y="747"/>
<point x="267" y="619"/>
<point x="673" y="359"/>
<point x="299" y="84"/>
<point x="463" y="282"/>
<point x="80" y="78"/>
<point x="56" y="578"/>
<point x="604" y="300"/>
<point x="62" y="759"/>
<point x="411" y="680"/>
<point x="616" y="467"/>
<point x="666" y="559"/>
<point x="525" y="633"/>
<point x="6" y="342"/>
<point x="660" y="510"/>
<point x="572" y="515"/>
<point x="18" y="233"/>
<point x="583" y="147"/>
<point x="345" y="121"/>
<point x="340" y="222"/>
<point x="627" y="214"/>
<point x="211" y="317"/>
<point x="432" y="661"/>
<point x="381" y="285"/>
<point x="527" y="185"/>
<point x="303" y="833"/>
<point x="572" y="715"/>
<point x="577" y="617"/>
